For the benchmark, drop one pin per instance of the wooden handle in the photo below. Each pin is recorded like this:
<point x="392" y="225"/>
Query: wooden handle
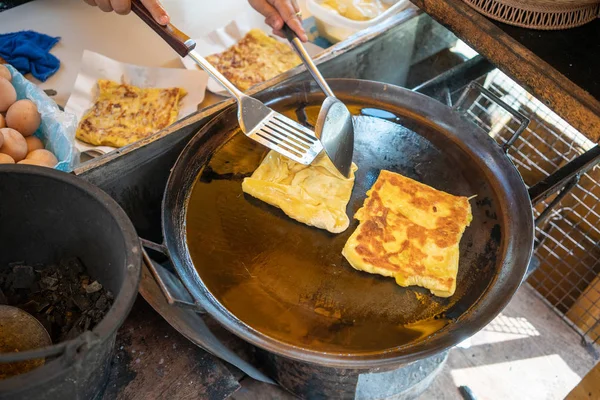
<point x="179" y="41"/>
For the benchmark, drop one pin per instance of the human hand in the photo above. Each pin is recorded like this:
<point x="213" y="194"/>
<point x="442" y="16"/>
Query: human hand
<point x="278" y="12"/>
<point x="124" y="7"/>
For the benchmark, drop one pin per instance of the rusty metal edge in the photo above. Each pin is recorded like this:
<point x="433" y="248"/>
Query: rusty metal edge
<point x="570" y="101"/>
<point x="351" y="43"/>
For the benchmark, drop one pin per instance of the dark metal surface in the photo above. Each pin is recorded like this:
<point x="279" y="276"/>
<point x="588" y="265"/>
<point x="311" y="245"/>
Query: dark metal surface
<point x="572" y="102"/>
<point x="404" y="382"/>
<point x="190" y="323"/>
<point x="580" y="165"/>
<point x="455" y="78"/>
<point x="168" y="285"/>
<point x="48" y="215"/>
<point x="227" y="230"/>
<point x="556" y="201"/>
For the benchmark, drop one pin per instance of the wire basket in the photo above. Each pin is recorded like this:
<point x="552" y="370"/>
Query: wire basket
<point x="539" y="14"/>
<point x="567" y="242"/>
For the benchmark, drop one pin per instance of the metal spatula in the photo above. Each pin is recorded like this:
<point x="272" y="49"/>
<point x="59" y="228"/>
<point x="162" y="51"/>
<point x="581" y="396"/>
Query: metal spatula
<point x="334" y="124"/>
<point x="257" y="121"/>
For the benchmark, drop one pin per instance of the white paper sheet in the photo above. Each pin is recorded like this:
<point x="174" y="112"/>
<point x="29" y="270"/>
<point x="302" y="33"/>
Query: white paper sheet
<point x="95" y="66"/>
<point x="221" y="39"/>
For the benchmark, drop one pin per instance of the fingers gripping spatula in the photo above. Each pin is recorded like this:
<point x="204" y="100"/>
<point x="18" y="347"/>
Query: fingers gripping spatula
<point x="257" y="121"/>
<point x="334" y="124"/>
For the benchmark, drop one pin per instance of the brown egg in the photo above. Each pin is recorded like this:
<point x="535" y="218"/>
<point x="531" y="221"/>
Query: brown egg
<point x="23" y="116"/>
<point x="33" y="143"/>
<point x="1" y="140"/>
<point x="14" y="144"/>
<point x="2" y="122"/>
<point x="39" y="163"/>
<point x="8" y="95"/>
<point x="5" y="73"/>
<point x="43" y="156"/>
<point x="6" y="159"/>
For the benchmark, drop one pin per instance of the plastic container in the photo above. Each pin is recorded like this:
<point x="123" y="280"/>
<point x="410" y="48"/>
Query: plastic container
<point x="335" y="28"/>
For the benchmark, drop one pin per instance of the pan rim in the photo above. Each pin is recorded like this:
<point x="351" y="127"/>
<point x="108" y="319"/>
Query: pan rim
<point x="482" y="311"/>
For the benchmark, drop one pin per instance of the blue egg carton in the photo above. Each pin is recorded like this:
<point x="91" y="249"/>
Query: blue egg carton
<point x="57" y="130"/>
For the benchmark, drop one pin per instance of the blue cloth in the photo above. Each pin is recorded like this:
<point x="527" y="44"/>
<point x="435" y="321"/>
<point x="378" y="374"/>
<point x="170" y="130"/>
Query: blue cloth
<point x="29" y="51"/>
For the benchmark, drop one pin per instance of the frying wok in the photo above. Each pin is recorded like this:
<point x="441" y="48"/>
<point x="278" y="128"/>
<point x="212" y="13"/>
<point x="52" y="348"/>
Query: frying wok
<point x="286" y="288"/>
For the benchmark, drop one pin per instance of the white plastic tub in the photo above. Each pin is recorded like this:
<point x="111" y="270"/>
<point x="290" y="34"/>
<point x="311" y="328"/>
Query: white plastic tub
<point x="335" y="28"/>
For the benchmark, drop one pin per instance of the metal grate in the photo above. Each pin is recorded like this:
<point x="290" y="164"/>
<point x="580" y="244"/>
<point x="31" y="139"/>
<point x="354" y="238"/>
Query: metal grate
<point x="567" y="240"/>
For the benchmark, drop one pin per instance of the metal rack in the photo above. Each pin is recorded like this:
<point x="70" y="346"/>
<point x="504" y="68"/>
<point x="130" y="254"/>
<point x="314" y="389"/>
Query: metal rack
<point x="568" y="224"/>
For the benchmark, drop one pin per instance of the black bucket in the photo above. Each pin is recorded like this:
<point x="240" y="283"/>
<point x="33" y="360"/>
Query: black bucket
<point x="45" y="216"/>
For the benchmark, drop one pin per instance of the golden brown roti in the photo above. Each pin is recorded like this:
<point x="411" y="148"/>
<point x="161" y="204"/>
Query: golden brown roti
<point x="411" y="232"/>
<point x="124" y="114"/>
<point x="316" y="195"/>
<point x="256" y="58"/>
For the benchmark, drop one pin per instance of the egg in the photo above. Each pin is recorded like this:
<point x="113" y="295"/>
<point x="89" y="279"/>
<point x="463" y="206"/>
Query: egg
<point x="39" y="163"/>
<point x="43" y="156"/>
<point x="1" y="140"/>
<point x="8" y="95"/>
<point x="33" y="143"/>
<point x="5" y="73"/>
<point x="2" y="122"/>
<point x="23" y="116"/>
<point x="6" y="159"/>
<point x="14" y="144"/>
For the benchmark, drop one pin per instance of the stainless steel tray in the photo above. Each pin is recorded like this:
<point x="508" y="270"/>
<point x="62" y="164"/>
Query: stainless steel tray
<point x="382" y="53"/>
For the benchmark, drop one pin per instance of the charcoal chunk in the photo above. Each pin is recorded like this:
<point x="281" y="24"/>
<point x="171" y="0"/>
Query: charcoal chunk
<point x="48" y="283"/>
<point x="23" y="277"/>
<point x="101" y="303"/>
<point x="81" y="302"/>
<point x="93" y="287"/>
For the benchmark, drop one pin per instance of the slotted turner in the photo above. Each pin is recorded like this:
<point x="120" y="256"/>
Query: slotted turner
<point x="257" y="121"/>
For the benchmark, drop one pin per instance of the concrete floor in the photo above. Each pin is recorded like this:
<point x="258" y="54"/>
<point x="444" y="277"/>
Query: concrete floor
<point x="526" y="353"/>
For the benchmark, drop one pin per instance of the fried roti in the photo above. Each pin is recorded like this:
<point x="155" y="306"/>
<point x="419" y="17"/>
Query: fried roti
<point x="124" y="114"/>
<point x="316" y="195"/>
<point x="256" y="58"/>
<point x="411" y="232"/>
